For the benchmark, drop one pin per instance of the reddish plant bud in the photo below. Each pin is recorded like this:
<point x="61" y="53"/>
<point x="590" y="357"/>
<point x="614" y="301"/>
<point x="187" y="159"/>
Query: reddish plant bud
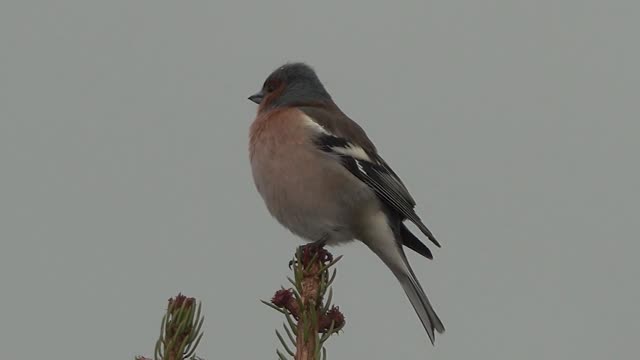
<point x="333" y="315"/>
<point x="282" y="298"/>
<point x="179" y="301"/>
<point x="309" y="251"/>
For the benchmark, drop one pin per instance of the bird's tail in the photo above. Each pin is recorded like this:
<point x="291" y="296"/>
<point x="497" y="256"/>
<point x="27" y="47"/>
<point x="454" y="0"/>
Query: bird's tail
<point x="419" y="300"/>
<point x="393" y="256"/>
<point x="380" y="238"/>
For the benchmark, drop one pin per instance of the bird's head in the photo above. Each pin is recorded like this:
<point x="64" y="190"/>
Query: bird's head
<point x="293" y="84"/>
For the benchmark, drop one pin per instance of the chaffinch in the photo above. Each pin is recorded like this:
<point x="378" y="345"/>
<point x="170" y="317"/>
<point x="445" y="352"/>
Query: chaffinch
<point x="322" y="178"/>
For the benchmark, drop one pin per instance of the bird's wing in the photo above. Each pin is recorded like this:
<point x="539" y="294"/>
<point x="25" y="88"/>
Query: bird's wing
<point x="371" y="169"/>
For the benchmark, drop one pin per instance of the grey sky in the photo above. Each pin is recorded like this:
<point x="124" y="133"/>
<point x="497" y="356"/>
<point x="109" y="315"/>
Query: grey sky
<point x="124" y="175"/>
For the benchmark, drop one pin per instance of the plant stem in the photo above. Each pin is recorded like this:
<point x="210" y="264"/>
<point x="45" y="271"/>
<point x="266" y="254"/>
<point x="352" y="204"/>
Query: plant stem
<point x="308" y="325"/>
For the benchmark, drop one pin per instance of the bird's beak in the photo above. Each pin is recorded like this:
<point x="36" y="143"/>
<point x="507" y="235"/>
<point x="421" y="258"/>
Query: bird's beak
<point x="257" y="97"/>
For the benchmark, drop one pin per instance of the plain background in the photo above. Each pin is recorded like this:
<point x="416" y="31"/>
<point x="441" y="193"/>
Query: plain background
<point x="124" y="173"/>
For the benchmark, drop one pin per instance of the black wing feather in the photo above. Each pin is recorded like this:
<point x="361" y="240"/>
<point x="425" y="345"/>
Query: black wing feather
<point x="412" y="242"/>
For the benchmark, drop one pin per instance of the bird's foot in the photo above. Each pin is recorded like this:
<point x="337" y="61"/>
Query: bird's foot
<point x="308" y="251"/>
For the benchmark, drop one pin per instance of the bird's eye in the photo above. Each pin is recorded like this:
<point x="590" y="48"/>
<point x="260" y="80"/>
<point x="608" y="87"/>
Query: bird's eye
<point x="272" y="84"/>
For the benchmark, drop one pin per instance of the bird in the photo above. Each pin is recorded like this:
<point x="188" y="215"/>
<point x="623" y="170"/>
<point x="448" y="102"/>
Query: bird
<point x="321" y="177"/>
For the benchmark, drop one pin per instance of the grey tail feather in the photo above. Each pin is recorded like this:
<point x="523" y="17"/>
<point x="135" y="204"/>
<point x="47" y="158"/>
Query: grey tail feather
<point x="390" y="251"/>
<point x="420" y="302"/>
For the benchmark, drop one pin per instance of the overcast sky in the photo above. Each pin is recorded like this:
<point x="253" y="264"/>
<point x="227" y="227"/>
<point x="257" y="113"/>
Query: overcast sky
<point x="124" y="173"/>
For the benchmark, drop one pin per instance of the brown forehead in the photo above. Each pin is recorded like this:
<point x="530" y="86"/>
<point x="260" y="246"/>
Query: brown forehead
<point x="270" y="97"/>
